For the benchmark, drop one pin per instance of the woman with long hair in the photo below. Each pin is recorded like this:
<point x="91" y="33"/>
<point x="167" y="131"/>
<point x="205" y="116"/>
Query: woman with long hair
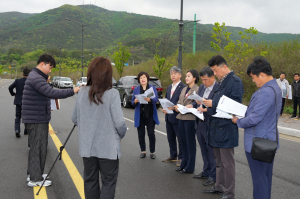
<point x="186" y="124"/>
<point x="145" y="114"/>
<point x="101" y="125"/>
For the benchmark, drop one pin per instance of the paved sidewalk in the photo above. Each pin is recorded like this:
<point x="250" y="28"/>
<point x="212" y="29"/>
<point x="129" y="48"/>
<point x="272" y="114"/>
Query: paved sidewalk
<point x="289" y="126"/>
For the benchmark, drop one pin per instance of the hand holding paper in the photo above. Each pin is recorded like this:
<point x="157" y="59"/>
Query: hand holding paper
<point x="166" y="104"/>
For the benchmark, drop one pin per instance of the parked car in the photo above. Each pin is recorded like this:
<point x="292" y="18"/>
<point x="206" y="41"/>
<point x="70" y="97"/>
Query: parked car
<point x="125" y="86"/>
<point x="82" y="81"/>
<point x="65" y="82"/>
<point x="55" y="81"/>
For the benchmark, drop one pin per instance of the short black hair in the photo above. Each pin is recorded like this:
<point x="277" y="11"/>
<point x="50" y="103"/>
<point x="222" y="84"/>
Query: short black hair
<point x="47" y="59"/>
<point x="195" y="75"/>
<point x="259" y="65"/>
<point x="217" y="60"/>
<point x="282" y="73"/>
<point x="206" y="71"/>
<point x="141" y="74"/>
<point x="296" y="74"/>
<point x="26" y="71"/>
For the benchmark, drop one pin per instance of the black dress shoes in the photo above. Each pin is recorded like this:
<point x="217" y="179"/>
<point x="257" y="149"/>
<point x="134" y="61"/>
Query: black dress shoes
<point x="152" y="156"/>
<point x="200" y="175"/>
<point x="143" y="155"/>
<point x="213" y="190"/>
<point x="178" y="169"/>
<point x="18" y="134"/>
<point x="209" y="182"/>
<point x="183" y="172"/>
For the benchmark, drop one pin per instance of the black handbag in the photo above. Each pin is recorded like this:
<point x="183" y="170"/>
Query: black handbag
<point x="263" y="149"/>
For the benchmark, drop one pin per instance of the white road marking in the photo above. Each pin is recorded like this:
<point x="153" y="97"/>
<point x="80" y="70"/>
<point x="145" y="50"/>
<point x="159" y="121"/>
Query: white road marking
<point x="166" y="134"/>
<point x="154" y="129"/>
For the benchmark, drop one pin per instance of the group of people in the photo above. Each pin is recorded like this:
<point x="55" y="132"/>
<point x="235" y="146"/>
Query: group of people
<point x="217" y="137"/>
<point x="100" y="135"/>
<point x="285" y="88"/>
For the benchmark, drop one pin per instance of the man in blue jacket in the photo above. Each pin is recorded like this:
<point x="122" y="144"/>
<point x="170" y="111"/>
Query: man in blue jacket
<point x="206" y="90"/>
<point x="19" y="86"/>
<point x="223" y="134"/>
<point x="172" y="94"/>
<point x="36" y="115"/>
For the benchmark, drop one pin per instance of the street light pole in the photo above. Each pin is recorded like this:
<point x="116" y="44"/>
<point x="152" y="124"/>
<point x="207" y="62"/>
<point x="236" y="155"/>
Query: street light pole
<point x="82" y="26"/>
<point x="180" y="37"/>
<point x="59" y="59"/>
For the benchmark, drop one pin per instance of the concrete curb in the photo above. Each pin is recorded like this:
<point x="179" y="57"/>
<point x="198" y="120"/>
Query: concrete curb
<point x="289" y="131"/>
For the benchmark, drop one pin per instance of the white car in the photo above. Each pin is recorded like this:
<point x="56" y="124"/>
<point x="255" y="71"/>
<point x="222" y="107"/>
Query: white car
<point x="82" y="81"/>
<point x="65" y="82"/>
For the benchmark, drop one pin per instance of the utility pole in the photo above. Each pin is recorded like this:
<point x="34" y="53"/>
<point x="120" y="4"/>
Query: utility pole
<point x="59" y="58"/>
<point x="181" y="24"/>
<point x="180" y="37"/>
<point x="82" y="26"/>
<point x="194" y="38"/>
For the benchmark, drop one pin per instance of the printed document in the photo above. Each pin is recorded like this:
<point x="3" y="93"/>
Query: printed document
<point x="148" y="93"/>
<point x="165" y="103"/>
<point x="196" y="97"/>
<point x="183" y="110"/>
<point x="227" y="106"/>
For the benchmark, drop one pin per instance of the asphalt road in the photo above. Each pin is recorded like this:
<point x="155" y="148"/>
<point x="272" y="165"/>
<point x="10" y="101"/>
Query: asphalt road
<point x="138" y="178"/>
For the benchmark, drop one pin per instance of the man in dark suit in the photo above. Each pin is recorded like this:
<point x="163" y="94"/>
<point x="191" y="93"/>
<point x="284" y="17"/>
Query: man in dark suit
<point x="19" y="85"/>
<point x="206" y="90"/>
<point x="223" y="134"/>
<point x="172" y="94"/>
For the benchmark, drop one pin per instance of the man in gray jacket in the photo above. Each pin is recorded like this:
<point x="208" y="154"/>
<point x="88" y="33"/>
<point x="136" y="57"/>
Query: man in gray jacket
<point x="36" y="115"/>
<point x="285" y="88"/>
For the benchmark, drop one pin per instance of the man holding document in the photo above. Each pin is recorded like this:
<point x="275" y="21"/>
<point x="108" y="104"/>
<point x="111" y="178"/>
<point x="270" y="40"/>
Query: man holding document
<point x="223" y="133"/>
<point x="171" y="99"/>
<point x="206" y="90"/>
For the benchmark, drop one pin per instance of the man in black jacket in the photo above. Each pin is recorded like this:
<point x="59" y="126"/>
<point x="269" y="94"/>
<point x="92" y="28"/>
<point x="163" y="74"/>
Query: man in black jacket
<point x="36" y="115"/>
<point x="19" y="85"/>
<point x="296" y="95"/>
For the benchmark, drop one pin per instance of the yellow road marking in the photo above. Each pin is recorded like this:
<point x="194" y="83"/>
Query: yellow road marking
<point x="42" y="194"/>
<point x="75" y="175"/>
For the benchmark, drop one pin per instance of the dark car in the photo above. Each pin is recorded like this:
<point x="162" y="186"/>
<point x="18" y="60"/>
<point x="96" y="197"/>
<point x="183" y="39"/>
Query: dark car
<point x="55" y="81"/>
<point x="125" y="86"/>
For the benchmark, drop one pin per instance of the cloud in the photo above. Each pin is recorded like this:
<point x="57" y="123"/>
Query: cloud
<point x="269" y="16"/>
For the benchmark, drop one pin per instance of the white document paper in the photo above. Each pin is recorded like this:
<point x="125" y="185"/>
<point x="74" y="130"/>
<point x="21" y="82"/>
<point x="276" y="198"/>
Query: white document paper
<point x="232" y="107"/>
<point x="183" y="110"/>
<point x="290" y="94"/>
<point x="222" y="114"/>
<point x="141" y="98"/>
<point x="197" y="113"/>
<point x="165" y="103"/>
<point x="53" y="104"/>
<point x="149" y="93"/>
<point x="195" y="97"/>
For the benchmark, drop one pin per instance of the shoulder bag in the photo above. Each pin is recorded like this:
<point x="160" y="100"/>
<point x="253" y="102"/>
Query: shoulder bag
<point x="263" y="149"/>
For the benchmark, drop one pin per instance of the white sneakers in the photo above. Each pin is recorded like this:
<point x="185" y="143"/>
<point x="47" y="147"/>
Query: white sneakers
<point x="34" y="184"/>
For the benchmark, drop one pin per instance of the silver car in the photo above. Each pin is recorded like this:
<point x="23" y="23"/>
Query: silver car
<point x="65" y="82"/>
<point x="82" y="81"/>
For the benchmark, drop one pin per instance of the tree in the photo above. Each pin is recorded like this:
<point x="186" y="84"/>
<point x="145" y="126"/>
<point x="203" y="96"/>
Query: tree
<point x="120" y="57"/>
<point x="234" y="51"/>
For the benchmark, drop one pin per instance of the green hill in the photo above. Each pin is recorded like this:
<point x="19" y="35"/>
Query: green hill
<point x="104" y="29"/>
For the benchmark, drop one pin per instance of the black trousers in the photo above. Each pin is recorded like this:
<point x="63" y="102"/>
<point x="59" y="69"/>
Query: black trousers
<point x="109" y="173"/>
<point x="150" y="123"/>
<point x="172" y="133"/>
<point x="18" y="117"/>
<point x="296" y="100"/>
<point x="282" y="107"/>
<point x="38" y="141"/>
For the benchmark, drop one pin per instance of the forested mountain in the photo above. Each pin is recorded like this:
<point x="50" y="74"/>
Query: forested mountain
<point x="104" y="29"/>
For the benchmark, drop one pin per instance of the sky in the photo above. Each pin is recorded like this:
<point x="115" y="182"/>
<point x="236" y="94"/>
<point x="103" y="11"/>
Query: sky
<point x="268" y="16"/>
